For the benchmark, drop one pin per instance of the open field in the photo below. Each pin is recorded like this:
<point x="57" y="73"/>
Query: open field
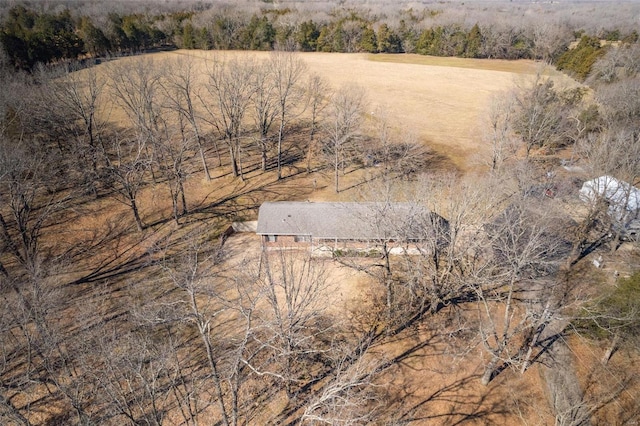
<point x="441" y="101"/>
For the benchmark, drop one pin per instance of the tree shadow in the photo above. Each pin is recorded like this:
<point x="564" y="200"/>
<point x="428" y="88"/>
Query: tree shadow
<point x="403" y="333"/>
<point x="455" y="403"/>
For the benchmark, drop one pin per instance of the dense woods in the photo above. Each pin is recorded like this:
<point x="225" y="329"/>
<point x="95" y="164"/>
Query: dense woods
<point x="30" y="36"/>
<point x="124" y="302"/>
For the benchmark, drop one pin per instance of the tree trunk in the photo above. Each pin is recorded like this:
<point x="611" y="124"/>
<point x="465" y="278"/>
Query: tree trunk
<point x="613" y="347"/>
<point x="136" y="214"/>
<point x="535" y="337"/>
<point x="6" y="236"/>
<point x="263" y="148"/>
<point x="183" y="197"/>
<point x="488" y="371"/>
<point x="174" y="203"/>
<point x="239" y="162"/>
<point x="336" y="172"/>
<point x="280" y="136"/>
<point x="311" y="146"/>
<point x="207" y="175"/>
<point x="309" y="155"/>
<point x="214" y="371"/>
<point x="615" y="241"/>
<point x="234" y="162"/>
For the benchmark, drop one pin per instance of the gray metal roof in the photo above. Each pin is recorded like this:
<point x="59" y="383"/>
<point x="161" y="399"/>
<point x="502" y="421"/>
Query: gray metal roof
<point x="354" y="221"/>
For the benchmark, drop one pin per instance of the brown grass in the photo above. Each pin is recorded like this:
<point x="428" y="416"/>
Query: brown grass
<point x="443" y="102"/>
<point x="518" y="67"/>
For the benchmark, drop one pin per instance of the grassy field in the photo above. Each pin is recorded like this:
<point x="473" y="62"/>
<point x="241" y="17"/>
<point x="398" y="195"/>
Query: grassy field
<point x="441" y="101"/>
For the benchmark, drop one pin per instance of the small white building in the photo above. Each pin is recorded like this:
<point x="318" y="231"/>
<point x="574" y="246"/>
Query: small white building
<point x="622" y="199"/>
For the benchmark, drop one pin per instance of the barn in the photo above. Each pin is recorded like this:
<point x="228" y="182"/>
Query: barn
<point x="347" y="226"/>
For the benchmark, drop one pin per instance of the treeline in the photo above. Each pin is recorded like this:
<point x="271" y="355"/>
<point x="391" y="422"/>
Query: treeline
<point x="29" y="37"/>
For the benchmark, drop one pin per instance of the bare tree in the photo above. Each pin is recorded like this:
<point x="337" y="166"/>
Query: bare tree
<point x="500" y="133"/>
<point x="619" y="104"/>
<point x="613" y="315"/>
<point x="288" y="69"/>
<point x="187" y="273"/>
<point x="447" y="240"/>
<point x="516" y="300"/>
<point x="230" y="86"/>
<point x="549" y="39"/>
<point x="82" y="94"/>
<point x="539" y="116"/>
<point x="293" y="326"/>
<point x="342" y="127"/>
<point x="127" y="165"/>
<point x="348" y="396"/>
<point x="24" y="192"/>
<point x="47" y="352"/>
<point x="616" y="64"/>
<point x="265" y="107"/>
<point x="181" y="91"/>
<point x="14" y="104"/>
<point x="394" y="155"/>
<point x="15" y="343"/>
<point x="221" y="309"/>
<point x="318" y="95"/>
<point x="135" y="86"/>
<point x="610" y="153"/>
<point x="172" y="150"/>
<point x="134" y="376"/>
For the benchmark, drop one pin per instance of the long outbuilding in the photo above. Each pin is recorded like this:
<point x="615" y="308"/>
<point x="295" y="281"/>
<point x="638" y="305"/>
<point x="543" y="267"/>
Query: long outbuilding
<point x="346" y="225"/>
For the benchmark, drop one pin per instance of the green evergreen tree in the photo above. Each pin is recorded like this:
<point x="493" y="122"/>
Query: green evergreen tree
<point x="331" y="38"/>
<point x="579" y="60"/>
<point x="188" y="37"/>
<point x="95" y="41"/>
<point x="116" y="35"/>
<point x="203" y="39"/>
<point x="408" y="37"/>
<point x="424" y="42"/>
<point x="456" y="43"/>
<point x="259" y="34"/>
<point x="388" y="40"/>
<point x="29" y="37"/>
<point x="369" y="42"/>
<point x="474" y="43"/>
<point x="306" y="36"/>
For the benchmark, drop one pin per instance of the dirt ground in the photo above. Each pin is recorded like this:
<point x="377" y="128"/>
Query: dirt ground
<point x="346" y="286"/>
<point x="436" y="381"/>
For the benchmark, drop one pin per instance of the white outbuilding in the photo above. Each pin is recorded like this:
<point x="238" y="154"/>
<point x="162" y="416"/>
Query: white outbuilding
<point x="622" y="199"/>
<point x="618" y="194"/>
